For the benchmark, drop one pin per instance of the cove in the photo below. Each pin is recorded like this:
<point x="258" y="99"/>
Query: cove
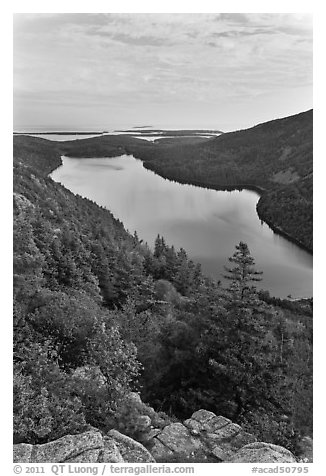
<point x="206" y="223"/>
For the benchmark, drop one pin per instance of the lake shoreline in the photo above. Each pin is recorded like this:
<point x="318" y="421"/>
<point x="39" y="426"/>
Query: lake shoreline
<point x="254" y="188"/>
<point x="210" y="186"/>
<point x="256" y="191"/>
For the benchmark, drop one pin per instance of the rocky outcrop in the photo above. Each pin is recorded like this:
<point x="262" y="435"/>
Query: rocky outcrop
<point x="175" y="439"/>
<point x="263" y="453"/>
<point x="88" y="447"/>
<point x="203" y="437"/>
<point x="130" y="450"/>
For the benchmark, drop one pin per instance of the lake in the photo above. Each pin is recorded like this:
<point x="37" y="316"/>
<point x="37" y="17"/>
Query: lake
<point x="78" y="136"/>
<point x="206" y="223"/>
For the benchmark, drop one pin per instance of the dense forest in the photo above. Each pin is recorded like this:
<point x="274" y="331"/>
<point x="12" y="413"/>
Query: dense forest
<point x="98" y="313"/>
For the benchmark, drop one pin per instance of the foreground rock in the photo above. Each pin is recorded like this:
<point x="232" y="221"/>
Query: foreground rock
<point x="88" y="447"/>
<point x="175" y="439"/>
<point x="130" y="450"/>
<point x="263" y="453"/>
<point x="205" y="437"/>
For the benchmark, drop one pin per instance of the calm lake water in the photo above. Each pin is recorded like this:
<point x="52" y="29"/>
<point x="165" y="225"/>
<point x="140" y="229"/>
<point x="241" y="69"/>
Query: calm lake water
<point x="206" y="223"/>
<point x="150" y="137"/>
<point x="62" y="137"/>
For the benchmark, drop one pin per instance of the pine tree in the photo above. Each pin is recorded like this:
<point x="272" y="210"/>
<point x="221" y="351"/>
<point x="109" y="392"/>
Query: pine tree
<point x="243" y="273"/>
<point x="159" y="246"/>
<point x="243" y="355"/>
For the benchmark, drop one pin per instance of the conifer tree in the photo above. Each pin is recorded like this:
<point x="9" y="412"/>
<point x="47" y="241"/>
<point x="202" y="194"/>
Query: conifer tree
<point x="243" y="273"/>
<point x="242" y="357"/>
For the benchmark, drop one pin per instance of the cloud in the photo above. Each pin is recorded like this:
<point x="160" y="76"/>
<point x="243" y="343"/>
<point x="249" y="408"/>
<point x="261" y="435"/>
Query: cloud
<point x="130" y="39"/>
<point x="294" y="30"/>
<point x="244" y="32"/>
<point x="233" y="17"/>
<point x="170" y="60"/>
<point x="42" y="21"/>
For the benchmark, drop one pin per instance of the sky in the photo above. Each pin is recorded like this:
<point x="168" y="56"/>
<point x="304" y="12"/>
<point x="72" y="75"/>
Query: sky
<point x="101" y="71"/>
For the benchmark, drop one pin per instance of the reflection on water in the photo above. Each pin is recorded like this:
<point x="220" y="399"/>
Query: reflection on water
<point x="207" y="223"/>
<point x="62" y="137"/>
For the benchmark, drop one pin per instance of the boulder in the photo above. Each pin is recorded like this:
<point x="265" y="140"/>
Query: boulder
<point x="202" y="416"/>
<point x="110" y="453"/>
<point x="177" y="438"/>
<point x="219" y="449"/>
<point x="130" y="450"/>
<point x="193" y="425"/>
<point x="159" y="451"/>
<point x="203" y="420"/>
<point x="215" y="424"/>
<point x="88" y="447"/>
<point x="220" y="437"/>
<point x="88" y="456"/>
<point x="67" y="448"/>
<point x="226" y="432"/>
<point x="262" y="453"/>
<point x="220" y="454"/>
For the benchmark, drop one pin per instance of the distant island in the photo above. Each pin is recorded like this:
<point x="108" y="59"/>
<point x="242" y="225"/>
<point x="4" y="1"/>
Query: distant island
<point x="173" y="132"/>
<point x="59" y="133"/>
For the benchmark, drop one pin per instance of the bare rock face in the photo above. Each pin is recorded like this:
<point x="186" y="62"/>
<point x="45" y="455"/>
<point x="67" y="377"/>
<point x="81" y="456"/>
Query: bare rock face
<point x="67" y="447"/>
<point x="110" y="452"/>
<point x="202" y="416"/>
<point x="175" y="439"/>
<point x="88" y="447"/>
<point x="220" y="437"/>
<point x="205" y="436"/>
<point x="262" y="453"/>
<point x="160" y="451"/>
<point x="130" y="450"/>
<point x="88" y="456"/>
<point x="64" y="449"/>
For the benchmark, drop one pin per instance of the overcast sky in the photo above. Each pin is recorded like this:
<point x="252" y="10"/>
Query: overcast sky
<point x="102" y="71"/>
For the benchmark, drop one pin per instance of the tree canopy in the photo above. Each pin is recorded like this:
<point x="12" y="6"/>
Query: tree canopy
<point x="98" y="313"/>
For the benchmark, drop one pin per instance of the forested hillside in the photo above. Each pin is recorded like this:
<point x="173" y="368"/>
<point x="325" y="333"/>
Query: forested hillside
<point x="97" y="313"/>
<point x="274" y="158"/>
